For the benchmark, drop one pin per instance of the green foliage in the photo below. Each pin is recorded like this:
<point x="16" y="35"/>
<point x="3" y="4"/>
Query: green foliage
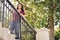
<point x="58" y="9"/>
<point x="57" y="34"/>
<point x="37" y="16"/>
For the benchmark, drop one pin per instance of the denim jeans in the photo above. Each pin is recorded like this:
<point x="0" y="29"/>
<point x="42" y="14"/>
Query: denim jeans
<point x="15" y="26"/>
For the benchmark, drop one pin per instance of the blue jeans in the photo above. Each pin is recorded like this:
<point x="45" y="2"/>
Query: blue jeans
<point x="15" y="26"/>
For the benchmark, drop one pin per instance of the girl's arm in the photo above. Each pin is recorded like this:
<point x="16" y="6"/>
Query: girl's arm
<point x="22" y="13"/>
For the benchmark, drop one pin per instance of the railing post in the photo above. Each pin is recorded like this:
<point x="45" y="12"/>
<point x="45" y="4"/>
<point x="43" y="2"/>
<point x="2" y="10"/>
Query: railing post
<point x="34" y="35"/>
<point x="0" y="11"/>
<point x="3" y="14"/>
<point x="20" y="28"/>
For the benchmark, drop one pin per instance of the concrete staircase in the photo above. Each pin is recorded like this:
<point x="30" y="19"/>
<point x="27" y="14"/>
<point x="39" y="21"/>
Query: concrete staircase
<point x="5" y="35"/>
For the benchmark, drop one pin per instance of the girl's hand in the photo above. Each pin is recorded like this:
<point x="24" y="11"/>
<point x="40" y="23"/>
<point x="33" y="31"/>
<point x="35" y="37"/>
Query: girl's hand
<point x="22" y="15"/>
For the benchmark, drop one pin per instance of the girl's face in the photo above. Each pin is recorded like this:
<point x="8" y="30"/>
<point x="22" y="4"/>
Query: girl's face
<point x="19" y="6"/>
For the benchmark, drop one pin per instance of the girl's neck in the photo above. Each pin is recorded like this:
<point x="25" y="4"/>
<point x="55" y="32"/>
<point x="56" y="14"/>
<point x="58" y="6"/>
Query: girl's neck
<point x="19" y="9"/>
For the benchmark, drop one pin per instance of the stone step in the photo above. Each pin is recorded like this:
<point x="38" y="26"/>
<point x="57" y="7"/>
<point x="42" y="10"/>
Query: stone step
<point x="5" y="35"/>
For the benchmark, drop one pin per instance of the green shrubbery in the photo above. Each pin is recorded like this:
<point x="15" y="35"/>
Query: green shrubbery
<point x="57" y="34"/>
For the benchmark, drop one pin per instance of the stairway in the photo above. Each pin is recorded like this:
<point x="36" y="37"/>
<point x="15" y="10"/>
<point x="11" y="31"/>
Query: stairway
<point x="4" y="32"/>
<point x="5" y="35"/>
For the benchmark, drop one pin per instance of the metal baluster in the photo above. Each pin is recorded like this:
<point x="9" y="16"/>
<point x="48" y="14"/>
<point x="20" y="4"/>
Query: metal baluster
<point x="10" y="12"/>
<point x="20" y="28"/>
<point x="6" y="14"/>
<point x="34" y="35"/>
<point x="3" y="14"/>
<point x="0" y="10"/>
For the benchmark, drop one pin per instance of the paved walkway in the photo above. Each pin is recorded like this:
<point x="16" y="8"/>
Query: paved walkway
<point x="5" y="35"/>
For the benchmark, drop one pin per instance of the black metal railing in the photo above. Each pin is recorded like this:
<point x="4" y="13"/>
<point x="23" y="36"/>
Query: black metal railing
<point x="0" y="11"/>
<point x="26" y="31"/>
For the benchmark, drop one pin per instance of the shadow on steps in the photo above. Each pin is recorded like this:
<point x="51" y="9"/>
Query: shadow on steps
<point x="1" y="38"/>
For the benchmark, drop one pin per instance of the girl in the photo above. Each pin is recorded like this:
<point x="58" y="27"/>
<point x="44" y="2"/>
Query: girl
<point x="15" y="25"/>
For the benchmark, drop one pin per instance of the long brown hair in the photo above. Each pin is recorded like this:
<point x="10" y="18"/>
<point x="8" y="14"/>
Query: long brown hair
<point x="22" y="9"/>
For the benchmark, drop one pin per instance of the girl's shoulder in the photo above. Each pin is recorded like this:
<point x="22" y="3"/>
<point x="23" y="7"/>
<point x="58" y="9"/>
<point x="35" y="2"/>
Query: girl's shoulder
<point x="22" y="12"/>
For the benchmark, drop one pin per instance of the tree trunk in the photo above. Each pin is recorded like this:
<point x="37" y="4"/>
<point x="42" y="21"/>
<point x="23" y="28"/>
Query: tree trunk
<point x="51" y="26"/>
<point x="51" y="19"/>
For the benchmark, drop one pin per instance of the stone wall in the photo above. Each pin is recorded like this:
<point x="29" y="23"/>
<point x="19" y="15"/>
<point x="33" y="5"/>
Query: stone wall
<point x="42" y="34"/>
